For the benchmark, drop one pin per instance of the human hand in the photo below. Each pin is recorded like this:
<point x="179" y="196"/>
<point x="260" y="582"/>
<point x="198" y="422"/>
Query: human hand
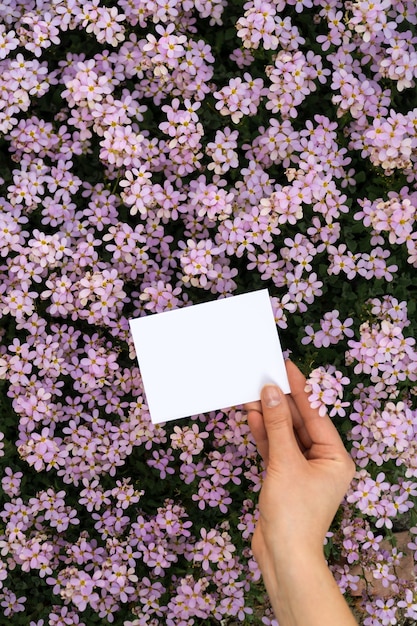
<point x="308" y="471"/>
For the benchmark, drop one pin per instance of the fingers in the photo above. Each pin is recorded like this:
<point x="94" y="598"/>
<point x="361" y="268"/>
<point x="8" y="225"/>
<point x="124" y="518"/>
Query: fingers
<point x="282" y="426"/>
<point x="287" y="416"/>
<point x="278" y="424"/>
<point x="301" y="432"/>
<point x="271" y="424"/>
<point x="253" y="406"/>
<point x="257" y="427"/>
<point x="259" y="433"/>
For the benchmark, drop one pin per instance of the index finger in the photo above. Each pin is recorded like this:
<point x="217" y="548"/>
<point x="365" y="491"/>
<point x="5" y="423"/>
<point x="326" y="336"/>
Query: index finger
<point x="253" y="406"/>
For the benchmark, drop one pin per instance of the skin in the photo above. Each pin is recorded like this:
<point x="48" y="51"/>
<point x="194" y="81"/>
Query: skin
<point x="308" y="471"/>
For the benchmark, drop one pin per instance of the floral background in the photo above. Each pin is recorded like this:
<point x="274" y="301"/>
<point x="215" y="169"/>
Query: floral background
<point x="155" y="154"/>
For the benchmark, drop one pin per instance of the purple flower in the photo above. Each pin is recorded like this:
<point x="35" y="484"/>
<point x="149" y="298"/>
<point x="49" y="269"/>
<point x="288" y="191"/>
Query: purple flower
<point x="165" y="176"/>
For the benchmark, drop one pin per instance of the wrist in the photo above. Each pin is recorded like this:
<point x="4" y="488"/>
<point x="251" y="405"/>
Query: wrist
<point x="303" y="591"/>
<point x="284" y="551"/>
<point x="293" y="563"/>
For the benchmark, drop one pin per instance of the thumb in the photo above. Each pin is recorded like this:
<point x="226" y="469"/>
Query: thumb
<point x="278" y="424"/>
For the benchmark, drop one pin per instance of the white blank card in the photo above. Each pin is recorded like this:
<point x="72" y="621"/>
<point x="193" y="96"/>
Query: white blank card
<point x="208" y="356"/>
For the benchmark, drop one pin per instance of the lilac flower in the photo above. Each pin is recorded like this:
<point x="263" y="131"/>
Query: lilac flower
<point x="61" y="616"/>
<point x="191" y="600"/>
<point x="212" y="495"/>
<point x="161" y="461"/>
<point x="212" y="548"/>
<point x="197" y="261"/>
<point x="386" y="611"/>
<point x="222" y="151"/>
<point x="11" y="603"/>
<point x="158" y="180"/>
<point x="409" y="604"/>
<point x="242" y="58"/>
<point x="8" y="41"/>
<point x="3" y="572"/>
<point x="332" y="330"/>
<point x="189" y="440"/>
<point x="326" y="389"/>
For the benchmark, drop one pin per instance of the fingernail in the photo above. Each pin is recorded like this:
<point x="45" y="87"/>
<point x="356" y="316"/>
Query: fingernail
<point x="271" y="396"/>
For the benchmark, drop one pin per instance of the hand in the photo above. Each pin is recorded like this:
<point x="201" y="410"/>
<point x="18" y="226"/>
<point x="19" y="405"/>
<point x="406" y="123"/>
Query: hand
<point x="308" y="470"/>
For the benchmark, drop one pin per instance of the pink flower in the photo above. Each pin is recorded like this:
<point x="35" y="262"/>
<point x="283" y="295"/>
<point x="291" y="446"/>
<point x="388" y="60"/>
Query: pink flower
<point x="325" y="388"/>
<point x="11" y="480"/>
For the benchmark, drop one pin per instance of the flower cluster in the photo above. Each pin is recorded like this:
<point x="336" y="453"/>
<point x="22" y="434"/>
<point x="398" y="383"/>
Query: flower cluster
<point x="150" y="161"/>
<point x="325" y="387"/>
